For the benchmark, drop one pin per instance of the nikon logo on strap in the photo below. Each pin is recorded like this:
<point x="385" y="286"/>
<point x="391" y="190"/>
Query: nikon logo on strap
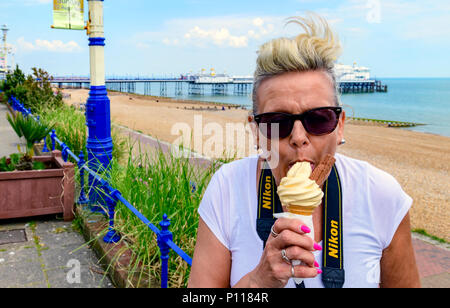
<point x="267" y="194"/>
<point x="333" y="240"/>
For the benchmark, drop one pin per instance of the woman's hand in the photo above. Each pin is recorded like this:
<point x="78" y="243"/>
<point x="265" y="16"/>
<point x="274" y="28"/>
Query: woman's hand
<point x="273" y="271"/>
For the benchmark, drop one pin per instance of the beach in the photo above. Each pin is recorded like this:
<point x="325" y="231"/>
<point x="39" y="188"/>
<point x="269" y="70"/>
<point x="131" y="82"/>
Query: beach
<point x="419" y="161"/>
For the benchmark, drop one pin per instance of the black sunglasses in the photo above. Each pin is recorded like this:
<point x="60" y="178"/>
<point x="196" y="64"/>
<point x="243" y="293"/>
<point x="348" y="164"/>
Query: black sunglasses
<point x="317" y="122"/>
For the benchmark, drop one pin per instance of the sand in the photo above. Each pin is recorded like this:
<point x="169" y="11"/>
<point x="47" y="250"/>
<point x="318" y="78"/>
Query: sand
<point x="419" y="161"/>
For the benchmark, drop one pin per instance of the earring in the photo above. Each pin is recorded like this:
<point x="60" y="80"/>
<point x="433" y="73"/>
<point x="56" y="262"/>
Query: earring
<point x="342" y="142"/>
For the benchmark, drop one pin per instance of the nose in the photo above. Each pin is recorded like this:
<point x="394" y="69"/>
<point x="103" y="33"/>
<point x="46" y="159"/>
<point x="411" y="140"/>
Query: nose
<point x="298" y="136"/>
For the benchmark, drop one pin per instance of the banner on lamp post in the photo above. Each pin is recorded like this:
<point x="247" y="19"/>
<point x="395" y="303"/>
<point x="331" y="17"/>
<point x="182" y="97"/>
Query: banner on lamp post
<point x="68" y="14"/>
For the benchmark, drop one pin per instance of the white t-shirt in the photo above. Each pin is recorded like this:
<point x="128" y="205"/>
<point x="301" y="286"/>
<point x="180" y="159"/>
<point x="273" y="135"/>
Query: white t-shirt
<point x="374" y="204"/>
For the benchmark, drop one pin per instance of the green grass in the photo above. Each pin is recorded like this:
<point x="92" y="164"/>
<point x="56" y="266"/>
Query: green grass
<point x="70" y="127"/>
<point x="157" y="184"/>
<point x="423" y="232"/>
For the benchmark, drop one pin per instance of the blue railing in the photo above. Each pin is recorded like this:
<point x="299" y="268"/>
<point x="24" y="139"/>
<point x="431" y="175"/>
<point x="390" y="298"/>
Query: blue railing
<point x="164" y="236"/>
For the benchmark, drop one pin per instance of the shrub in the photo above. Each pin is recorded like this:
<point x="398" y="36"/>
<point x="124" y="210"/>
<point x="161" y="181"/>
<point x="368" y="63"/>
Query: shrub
<point x="14" y="84"/>
<point x="33" y="91"/>
<point x="39" y="93"/>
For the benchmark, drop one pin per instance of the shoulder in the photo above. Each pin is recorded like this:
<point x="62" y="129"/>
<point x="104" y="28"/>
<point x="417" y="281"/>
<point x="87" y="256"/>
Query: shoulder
<point x="237" y="170"/>
<point x="359" y="172"/>
<point x="232" y="177"/>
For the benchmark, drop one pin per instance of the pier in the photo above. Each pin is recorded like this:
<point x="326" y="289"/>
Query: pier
<point x="192" y="86"/>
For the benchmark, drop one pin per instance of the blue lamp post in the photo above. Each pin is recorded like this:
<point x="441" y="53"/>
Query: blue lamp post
<point x="98" y="116"/>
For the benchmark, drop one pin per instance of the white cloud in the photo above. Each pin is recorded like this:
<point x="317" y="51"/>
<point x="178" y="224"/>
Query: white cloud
<point x="222" y="31"/>
<point x="258" y="21"/>
<point x="170" y="42"/>
<point x="45" y="45"/>
<point x="219" y="37"/>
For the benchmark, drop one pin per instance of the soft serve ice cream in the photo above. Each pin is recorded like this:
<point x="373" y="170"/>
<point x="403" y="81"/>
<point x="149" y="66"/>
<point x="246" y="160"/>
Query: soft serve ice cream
<point x="298" y="192"/>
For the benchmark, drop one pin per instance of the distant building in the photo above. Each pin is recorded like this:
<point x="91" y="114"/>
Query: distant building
<point x="213" y="77"/>
<point x="351" y="72"/>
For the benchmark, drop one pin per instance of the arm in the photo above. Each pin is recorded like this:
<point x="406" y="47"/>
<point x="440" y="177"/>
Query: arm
<point x="398" y="263"/>
<point x="211" y="263"/>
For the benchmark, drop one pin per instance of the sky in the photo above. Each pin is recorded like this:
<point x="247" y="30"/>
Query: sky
<point x="394" y="38"/>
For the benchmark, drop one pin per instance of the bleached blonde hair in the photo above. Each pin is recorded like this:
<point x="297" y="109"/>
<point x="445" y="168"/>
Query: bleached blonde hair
<point x="316" y="49"/>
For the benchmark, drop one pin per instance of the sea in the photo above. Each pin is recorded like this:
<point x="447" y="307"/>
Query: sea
<point x="418" y="100"/>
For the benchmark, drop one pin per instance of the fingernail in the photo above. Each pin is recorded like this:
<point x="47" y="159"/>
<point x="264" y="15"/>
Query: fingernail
<point x="317" y="246"/>
<point x="316" y="264"/>
<point x="319" y="271"/>
<point x="305" y="229"/>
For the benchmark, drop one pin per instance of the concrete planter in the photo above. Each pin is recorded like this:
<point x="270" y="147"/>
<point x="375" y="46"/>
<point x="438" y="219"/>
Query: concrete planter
<point x="39" y="192"/>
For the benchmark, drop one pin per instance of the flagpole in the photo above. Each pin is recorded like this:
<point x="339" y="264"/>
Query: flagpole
<point x="98" y="116"/>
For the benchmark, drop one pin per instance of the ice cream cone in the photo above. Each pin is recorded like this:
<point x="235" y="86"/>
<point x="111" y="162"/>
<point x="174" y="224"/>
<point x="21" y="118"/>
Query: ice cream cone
<point x="300" y="193"/>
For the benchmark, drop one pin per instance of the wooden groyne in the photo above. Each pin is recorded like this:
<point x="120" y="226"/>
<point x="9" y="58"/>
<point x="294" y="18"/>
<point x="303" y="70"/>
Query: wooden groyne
<point x="387" y="123"/>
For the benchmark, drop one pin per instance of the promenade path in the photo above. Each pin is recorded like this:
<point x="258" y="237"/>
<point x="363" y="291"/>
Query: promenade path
<point x="8" y="137"/>
<point x="46" y="252"/>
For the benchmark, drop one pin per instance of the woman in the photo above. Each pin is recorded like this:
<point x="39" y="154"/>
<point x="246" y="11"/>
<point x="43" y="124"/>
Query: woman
<point x="295" y="77"/>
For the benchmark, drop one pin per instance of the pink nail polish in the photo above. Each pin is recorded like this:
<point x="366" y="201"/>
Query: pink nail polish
<point x="305" y="229"/>
<point x="316" y="264"/>
<point x="319" y="271"/>
<point x="317" y="246"/>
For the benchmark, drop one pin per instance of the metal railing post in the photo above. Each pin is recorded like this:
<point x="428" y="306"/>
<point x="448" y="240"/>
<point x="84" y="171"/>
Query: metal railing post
<point x="111" y="200"/>
<point x="53" y="136"/>
<point x="45" y="148"/>
<point x="82" y="198"/>
<point x="163" y="236"/>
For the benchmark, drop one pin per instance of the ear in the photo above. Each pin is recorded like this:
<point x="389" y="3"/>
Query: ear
<point x="340" y="131"/>
<point x="254" y="128"/>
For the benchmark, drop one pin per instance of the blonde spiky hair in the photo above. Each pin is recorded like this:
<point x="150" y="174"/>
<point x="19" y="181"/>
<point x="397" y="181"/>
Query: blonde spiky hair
<point x="316" y="49"/>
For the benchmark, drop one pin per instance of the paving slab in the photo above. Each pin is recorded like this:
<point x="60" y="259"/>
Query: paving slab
<point x="433" y="262"/>
<point x="54" y="255"/>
